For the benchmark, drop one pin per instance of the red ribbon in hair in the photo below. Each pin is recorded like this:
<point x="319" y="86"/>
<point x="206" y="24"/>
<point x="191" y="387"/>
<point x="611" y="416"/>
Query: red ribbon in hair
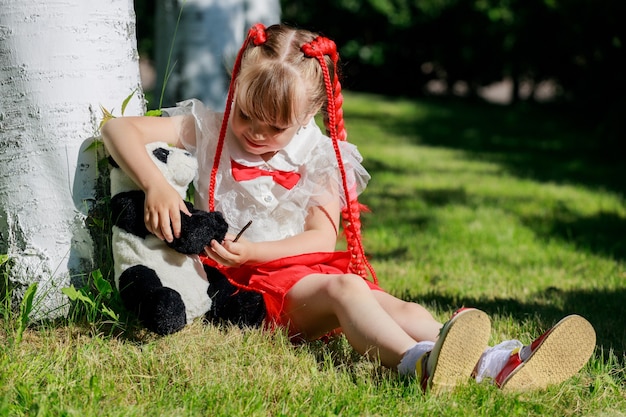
<point x="257" y="34"/>
<point x="318" y="48"/>
<point x="321" y="46"/>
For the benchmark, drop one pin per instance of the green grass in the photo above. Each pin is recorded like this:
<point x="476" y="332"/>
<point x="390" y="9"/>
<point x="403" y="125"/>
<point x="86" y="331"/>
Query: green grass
<point x="514" y="211"/>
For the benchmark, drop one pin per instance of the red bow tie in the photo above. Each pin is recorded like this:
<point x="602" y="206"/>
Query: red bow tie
<point x="244" y="173"/>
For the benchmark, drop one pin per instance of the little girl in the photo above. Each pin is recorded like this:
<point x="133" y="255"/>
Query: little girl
<point x="265" y="159"/>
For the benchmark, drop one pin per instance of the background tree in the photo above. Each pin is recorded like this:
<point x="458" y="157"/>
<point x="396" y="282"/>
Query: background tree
<point x="207" y="35"/>
<point x="399" y="47"/>
<point x="60" y="62"/>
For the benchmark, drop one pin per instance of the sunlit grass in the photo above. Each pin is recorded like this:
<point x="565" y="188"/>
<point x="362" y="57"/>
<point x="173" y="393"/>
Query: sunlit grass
<point x="503" y="209"/>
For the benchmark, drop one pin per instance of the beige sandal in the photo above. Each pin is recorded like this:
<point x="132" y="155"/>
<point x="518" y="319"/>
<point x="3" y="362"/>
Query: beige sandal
<point x="461" y="342"/>
<point x="555" y="356"/>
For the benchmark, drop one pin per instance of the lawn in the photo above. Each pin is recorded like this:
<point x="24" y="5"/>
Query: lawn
<point x="515" y="211"/>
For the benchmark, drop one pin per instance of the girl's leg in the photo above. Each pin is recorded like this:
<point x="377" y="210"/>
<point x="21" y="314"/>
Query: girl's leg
<point x="320" y="303"/>
<point x="414" y="319"/>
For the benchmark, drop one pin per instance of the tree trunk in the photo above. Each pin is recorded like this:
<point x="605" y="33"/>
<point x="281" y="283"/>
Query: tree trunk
<point x="60" y="62"/>
<point x="206" y="42"/>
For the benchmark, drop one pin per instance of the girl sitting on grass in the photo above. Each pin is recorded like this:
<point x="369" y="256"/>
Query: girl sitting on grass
<point x="265" y="159"/>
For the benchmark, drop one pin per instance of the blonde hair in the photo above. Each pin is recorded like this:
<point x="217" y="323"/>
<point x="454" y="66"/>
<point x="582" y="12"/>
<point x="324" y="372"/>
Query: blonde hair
<point x="277" y="83"/>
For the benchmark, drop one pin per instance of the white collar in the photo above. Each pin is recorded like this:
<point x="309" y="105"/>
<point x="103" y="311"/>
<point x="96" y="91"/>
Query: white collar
<point x="292" y="155"/>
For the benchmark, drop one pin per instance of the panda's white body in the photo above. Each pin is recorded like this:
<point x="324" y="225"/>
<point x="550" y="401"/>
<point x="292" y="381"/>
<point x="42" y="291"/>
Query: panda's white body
<point x="180" y="272"/>
<point x="183" y="273"/>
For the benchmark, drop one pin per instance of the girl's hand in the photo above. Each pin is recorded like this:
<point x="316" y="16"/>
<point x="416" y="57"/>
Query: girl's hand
<point x="230" y="253"/>
<point x="162" y="212"/>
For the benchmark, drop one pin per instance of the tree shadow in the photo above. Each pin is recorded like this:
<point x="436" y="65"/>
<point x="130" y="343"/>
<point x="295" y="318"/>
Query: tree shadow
<point x="543" y="144"/>
<point x="604" y="309"/>
<point x="602" y="233"/>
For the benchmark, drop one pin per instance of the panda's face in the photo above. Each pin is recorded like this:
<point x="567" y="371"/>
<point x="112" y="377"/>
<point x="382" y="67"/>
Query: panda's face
<point x="177" y="165"/>
<point x="161" y="154"/>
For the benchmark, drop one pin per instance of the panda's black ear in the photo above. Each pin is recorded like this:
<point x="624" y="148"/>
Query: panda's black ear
<point x="112" y="162"/>
<point x="161" y="154"/>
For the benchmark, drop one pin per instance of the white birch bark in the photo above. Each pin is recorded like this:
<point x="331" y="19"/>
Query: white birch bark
<point x="207" y="40"/>
<point x="59" y="61"/>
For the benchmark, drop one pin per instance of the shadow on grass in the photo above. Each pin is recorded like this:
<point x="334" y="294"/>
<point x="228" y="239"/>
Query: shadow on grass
<point x="605" y="310"/>
<point x="542" y="144"/>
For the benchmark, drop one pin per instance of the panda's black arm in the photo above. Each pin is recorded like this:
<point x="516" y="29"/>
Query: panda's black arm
<point x="127" y="212"/>
<point x="197" y="230"/>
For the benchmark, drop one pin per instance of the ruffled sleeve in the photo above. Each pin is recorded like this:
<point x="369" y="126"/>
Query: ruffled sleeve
<point x="323" y="170"/>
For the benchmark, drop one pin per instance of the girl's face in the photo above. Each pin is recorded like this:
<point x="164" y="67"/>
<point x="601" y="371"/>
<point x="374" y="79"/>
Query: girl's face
<point x="259" y="138"/>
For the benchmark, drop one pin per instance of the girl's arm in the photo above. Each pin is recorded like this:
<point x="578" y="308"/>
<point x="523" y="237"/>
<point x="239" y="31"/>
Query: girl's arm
<point x="125" y="139"/>
<point x="320" y="235"/>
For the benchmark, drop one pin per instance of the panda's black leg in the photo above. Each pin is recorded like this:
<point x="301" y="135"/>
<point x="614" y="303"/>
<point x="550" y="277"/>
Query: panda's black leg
<point x="160" y="309"/>
<point x="231" y="305"/>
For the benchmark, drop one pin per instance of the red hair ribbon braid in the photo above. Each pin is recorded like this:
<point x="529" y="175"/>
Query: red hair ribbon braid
<point x="257" y="36"/>
<point x="318" y="49"/>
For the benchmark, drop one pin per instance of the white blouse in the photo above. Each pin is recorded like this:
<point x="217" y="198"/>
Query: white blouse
<point x="276" y="211"/>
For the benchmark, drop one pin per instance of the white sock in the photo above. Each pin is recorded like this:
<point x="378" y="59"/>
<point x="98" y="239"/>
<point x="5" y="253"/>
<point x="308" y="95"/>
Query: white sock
<point x="494" y="358"/>
<point x="525" y="352"/>
<point x="411" y="356"/>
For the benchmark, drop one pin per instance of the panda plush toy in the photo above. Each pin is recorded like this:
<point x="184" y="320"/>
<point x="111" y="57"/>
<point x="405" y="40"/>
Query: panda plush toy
<point x="163" y="283"/>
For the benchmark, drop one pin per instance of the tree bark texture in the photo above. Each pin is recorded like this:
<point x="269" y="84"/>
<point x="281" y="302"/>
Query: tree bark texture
<point x="59" y="62"/>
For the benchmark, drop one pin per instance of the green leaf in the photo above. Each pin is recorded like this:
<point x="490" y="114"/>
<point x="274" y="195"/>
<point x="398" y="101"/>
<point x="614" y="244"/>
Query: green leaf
<point x="112" y="314"/>
<point x="26" y="307"/>
<point x="155" y="113"/>
<point x="98" y="222"/>
<point x="27" y="302"/>
<point x="102" y="285"/>
<point x="75" y="295"/>
<point x="126" y="100"/>
<point x="106" y="116"/>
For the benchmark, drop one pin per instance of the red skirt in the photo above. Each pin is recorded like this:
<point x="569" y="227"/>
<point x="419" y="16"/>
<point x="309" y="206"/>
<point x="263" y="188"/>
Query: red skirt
<point x="274" y="279"/>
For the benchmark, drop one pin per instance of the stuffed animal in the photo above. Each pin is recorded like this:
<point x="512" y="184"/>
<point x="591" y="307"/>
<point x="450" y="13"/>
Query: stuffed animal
<point x="161" y="282"/>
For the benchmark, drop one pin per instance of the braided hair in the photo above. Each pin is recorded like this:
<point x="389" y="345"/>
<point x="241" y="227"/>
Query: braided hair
<point x="299" y="49"/>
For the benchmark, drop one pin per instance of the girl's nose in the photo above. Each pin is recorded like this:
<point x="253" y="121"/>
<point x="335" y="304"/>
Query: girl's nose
<point x="258" y="130"/>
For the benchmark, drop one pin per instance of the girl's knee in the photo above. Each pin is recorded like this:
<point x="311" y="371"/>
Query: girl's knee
<point x="346" y="285"/>
<point x="420" y="311"/>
